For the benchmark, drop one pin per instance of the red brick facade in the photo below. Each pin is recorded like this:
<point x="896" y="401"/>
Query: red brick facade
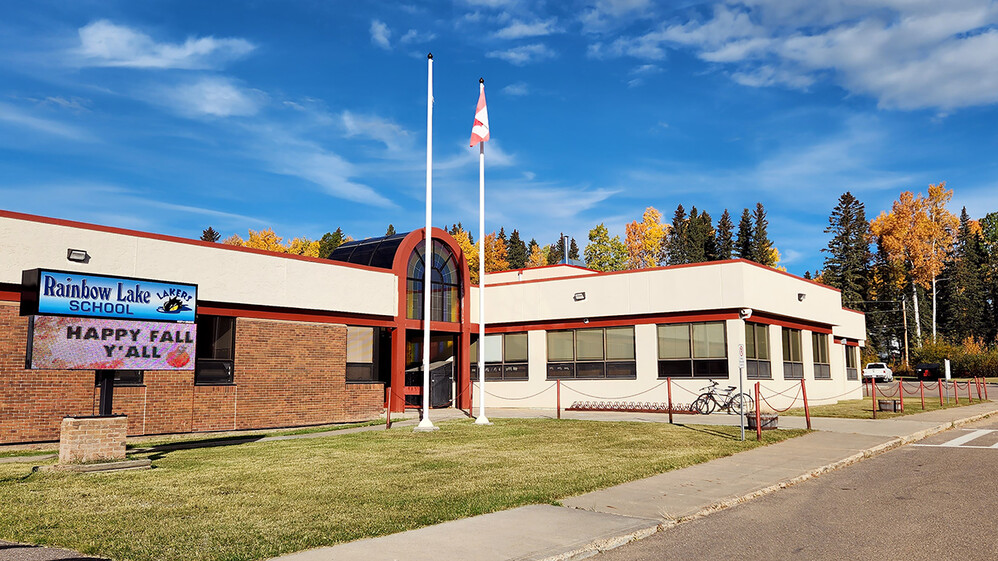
<point x="286" y="374"/>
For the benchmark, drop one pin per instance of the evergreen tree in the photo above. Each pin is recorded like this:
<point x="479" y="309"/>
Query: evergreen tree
<point x="676" y="245"/>
<point x="696" y="238"/>
<point x="390" y="231"/>
<point x="761" y="248"/>
<point x="725" y="243"/>
<point x="743" y="243"/>
<point x="517" y="253"/>
<point x="210" y="235"/>
<point x="989" y="235"/>
<point x="573" y="250"/>
<point x="557" y="252"/>
<point x="330" y="241"/>
<point x="502" y="234"/>
<point x="963" y="298"/>
<point x="807" y="275"/>
<point x="847" y="265"/>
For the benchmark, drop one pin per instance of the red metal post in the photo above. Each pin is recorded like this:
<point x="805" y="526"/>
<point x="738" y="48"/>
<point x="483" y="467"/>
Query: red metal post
<point x="901" y="393"/>
<point x="956" y="393"/>
<point x="984" y="382"/>
<point x="758" y="417"/>
<point x="558" y="383"/>
<point x="977" y="382"/>
<point x="873" y="395"/>
<point x="921" y="392"/>
<point x="668" y="382"/>
<point x="807" y="410"/>
<point x="969" y="398"/>
<point x="940" y="384"/>
<point x="388" y="408"/>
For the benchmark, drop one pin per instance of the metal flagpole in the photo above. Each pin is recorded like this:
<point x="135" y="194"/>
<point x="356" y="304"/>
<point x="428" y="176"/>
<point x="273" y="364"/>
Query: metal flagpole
<point x="425" y="424"/>
<point x="482" y="419"/>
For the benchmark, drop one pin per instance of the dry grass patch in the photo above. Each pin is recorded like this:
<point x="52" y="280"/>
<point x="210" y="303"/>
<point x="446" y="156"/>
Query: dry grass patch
<point x="257" y="500"/>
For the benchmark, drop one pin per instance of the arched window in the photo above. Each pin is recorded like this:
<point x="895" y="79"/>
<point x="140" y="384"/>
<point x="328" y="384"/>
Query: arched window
<point x="446" y="284"/>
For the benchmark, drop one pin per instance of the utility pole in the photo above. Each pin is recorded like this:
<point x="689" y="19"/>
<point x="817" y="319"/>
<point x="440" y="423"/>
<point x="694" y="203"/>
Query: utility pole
<point x="904" y="312"/>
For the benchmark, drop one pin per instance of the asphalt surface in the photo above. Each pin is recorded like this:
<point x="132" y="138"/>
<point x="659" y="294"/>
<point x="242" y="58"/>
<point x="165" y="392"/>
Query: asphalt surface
<point x="934" y="500"/>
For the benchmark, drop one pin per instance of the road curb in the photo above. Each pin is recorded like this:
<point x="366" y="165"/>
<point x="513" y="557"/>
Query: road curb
<point x="606" y="544"/>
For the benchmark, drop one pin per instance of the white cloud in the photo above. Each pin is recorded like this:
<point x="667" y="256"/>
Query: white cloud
<point x="518" y="29"/>
<point x="25" y="120"/>
<point x="523" y="55"/>
<point x="387" y="132"/>
<point x="413" y="36"/>
<point x="212" y="97"/>
<point x="380" y="34"/>
<point x="905" y="54"/>
<point x="604" y="14"/>
<point x="103" y="43"/>
<point x="519" y="88"/>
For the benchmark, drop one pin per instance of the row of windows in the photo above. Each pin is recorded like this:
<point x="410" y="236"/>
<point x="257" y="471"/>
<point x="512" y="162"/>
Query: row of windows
<point x="696" y="350"/>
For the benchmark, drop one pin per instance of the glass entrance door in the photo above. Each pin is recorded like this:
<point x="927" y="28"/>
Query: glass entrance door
<point x="442" y="360"/>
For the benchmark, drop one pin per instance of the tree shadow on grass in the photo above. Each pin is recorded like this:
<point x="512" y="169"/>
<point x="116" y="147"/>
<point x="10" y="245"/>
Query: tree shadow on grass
<point x="710" y="431"/>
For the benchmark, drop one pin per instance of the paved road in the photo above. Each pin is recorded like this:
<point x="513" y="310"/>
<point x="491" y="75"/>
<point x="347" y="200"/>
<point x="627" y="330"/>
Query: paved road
<point x="933" y="501"/>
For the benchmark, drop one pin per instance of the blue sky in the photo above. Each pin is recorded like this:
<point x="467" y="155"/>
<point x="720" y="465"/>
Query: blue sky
<point x="305" y="115"/>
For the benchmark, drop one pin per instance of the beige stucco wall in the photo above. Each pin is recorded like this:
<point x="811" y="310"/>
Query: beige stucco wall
<point x="550" y="272"/>
<point x="222" y="275"/>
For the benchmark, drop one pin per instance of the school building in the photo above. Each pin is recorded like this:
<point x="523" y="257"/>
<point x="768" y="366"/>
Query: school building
<point x="191" y="336"/>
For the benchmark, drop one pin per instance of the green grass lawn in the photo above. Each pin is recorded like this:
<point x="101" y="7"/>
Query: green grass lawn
<point x="257" y="500"/>
<point x="863" y="408"/>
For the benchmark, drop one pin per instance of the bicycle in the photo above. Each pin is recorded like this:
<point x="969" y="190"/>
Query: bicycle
<point x="711" y="399"/>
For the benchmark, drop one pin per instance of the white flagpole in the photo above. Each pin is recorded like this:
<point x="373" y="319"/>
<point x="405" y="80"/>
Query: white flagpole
<point x="482" y="419"/>
<point x="425" y="424"/>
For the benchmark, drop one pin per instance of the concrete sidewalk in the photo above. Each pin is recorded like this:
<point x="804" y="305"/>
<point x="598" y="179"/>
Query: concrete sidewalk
<point x="611" y="517"/>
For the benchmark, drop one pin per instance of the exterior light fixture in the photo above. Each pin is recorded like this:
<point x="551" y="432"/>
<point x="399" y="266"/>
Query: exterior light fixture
<point x="579" y="296"/>
<point x="801" y="296"/>
<point x="78" y="255"/>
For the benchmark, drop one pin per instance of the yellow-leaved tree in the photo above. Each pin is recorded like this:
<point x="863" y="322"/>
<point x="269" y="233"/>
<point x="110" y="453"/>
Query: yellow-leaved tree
<point x="470" y="251"/>
<point x="917" y="234"/>
<point x="538" y="258"/>
<point x="495" y="254"/>
<point x="645" y="240"/>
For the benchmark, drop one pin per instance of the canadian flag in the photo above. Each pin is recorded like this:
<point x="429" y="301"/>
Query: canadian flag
<point x="480" y="130"/>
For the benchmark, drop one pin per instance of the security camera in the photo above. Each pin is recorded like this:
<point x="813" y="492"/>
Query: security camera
<point x="744" y="313"/>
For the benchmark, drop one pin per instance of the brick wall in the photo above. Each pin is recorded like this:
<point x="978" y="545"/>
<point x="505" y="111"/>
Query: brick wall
<point x="92" y="439"/>
<point x="286" y="374"/>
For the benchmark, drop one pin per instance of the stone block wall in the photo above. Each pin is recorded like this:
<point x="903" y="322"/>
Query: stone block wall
<point x="92" y="439"/>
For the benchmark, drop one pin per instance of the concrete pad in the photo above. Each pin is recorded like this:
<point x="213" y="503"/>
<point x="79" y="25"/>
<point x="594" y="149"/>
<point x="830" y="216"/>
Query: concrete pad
<point x="529" y="533"/>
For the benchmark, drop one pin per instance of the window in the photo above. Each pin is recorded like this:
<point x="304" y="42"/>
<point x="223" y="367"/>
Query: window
<point x="852" y="373"/>
<point x="793" y="364"/>
<point x="696" y="350"/>
<point x="362" y="348"/>
<point x="216" y="346"/>
<point x="757" y="365"/>
<point x="819" y="345"/>
<point x="592" y="353"/>
<point x="505" y="357"/>
<point x="445" y="284"/>
<point x="123" y="378"/>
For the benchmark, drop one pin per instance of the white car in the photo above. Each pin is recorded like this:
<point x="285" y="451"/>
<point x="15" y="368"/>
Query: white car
<point x="878" y="371"/>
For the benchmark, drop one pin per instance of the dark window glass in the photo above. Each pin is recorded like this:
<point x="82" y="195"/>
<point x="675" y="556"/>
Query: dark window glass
<point x="591" y="354"/>
<point x="445" y="284"/>
<point x="362" y="350"/>
<point x="693" y="349"/>
<point x="758" y="369"/>
<point x="216" y="346"/>
<point x="505" y="357"/>
<point x="793" y="367"/>
<point x="124" y="378"/>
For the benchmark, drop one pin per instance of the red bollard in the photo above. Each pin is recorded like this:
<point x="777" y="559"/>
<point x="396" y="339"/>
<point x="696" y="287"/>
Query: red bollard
<point x="558" y="396"/>
<point x="969" y="399"/>
<point x="873" y="395"/>
<point x="977" y="382"/>
<point x="956" y="393"/>
<point x="940" y="384"/>
<point x="984" y="382"/>
<point x="758" y="417"/>
<point x="921" y="392"/>
<point x="807" y="410"/>
<point x="901" y="394"/>
<point x="668" y="382"/>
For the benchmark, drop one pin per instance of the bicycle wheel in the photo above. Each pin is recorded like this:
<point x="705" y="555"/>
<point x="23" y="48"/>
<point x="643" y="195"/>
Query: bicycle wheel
<point x="704" y="404"/>
<point x="742" y="400"/>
